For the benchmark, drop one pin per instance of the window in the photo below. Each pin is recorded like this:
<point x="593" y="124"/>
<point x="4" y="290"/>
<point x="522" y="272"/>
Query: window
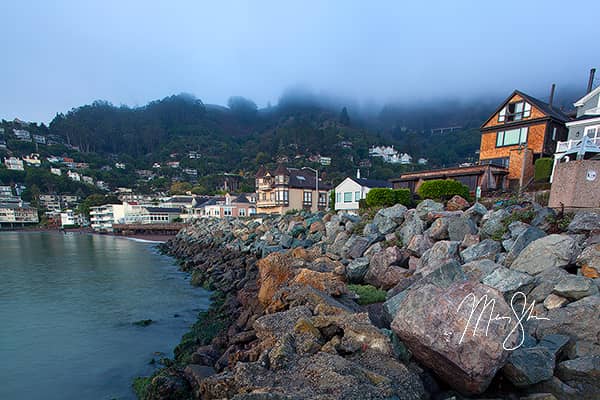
<point x="511" y="137"/>
<point x="322" y="198"/>
<point x="515" y="112"/>
<point x="593" y="132"/>
<point x="227" y="211"/>
<point x="347" y="197"/>
<point x="307" y="198"/>
<point x="356" y="196"/>
<point x="242" y="212"/>
<point x="338" y="197"/>
<point x="554" y="133"/>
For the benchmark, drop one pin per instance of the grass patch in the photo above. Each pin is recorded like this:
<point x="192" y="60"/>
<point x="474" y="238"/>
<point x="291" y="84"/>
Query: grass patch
<point x="368" y="294"/>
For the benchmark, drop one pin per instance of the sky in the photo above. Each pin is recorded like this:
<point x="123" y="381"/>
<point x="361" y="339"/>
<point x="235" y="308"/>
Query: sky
<point x="61" y="54"/>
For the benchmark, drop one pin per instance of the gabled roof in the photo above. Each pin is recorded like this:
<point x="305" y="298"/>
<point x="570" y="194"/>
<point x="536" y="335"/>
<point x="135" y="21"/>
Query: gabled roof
<point x="372" y="183"/>
<point x="281" y="170"/>
<point x="539" y="104"/>
<point x="261" y="171"/>
<point x="585" y="98"/>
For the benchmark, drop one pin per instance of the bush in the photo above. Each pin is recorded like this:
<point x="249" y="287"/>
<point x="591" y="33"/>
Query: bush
<point x="332" y="200"/>
<point x="368" y="294"/>
<point x="385" y="197"/>
<point x="543" y="169"/>
<point x="443" y="189"/>
<point x="380" y="197"/>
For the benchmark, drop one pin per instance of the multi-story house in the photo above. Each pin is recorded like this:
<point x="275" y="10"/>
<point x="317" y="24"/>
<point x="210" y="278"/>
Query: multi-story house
<point x="286" y="189"/>
<point x="22" y="135"/>
<point x="103" y="217"/>
<point x="227" y="206"/>
<point x="33" y="160"/>
<point x="55" y="171"/>
<point x="74" y="176"/>
<point x="88" y="179"/>
<point x="351" y="191"/>
<point x="14" y="164"/>
<point x="39" y="139"/>
<point x="14" y="214"/>
<point x="519" y="132"/>
<point x="586" y="124"/>
<point x="50" y="202"/>
<point x="5" y="191"/>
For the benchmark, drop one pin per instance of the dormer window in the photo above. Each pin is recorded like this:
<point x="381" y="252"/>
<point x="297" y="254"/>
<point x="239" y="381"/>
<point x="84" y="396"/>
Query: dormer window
<point x="515" y="112"/>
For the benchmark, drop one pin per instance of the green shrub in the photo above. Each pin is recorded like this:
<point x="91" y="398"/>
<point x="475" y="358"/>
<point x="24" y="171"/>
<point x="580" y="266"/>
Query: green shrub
<point x="442" y="189"/>
<point x="543" y="169"/>
<point x="332" y="200"/>
<point x="368" y="294"/>
<point x="141" y="385"/>
<point x="381" y="197"/>
<point x="402" y="196"/>
<point x="362" y="203"/>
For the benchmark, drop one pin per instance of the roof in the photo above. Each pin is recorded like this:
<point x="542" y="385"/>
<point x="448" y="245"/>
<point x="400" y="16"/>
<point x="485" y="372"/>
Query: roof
<point x="585" y="98"/>
<point x="305" y="179"/>
<point x="372" y="183"/>
<point x="181" y="199"/>
<point x="240" y="199"/>
<point x="542" y="106"/>
<point x="450" y="172"/>
<point x="281" y="170"/>
<point x="162" y="210"/>
<point x="261" y="171"/>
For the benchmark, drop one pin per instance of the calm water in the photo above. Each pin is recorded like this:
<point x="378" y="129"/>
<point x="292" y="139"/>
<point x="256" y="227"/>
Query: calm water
<point x="67" y="303"/>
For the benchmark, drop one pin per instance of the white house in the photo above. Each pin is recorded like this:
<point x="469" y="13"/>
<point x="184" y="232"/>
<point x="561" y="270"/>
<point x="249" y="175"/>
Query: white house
<point x="33" y="159"/>
<point x="352" y="190"/>
<point x="22" y="135"/>
<point x="14" y="164"/>
<point x="405" y="158"/>
<point x="68" y="218"/>
<point x="74" y="176"/>
<point x="103" y="217"/>
<point x="55" y="171"/>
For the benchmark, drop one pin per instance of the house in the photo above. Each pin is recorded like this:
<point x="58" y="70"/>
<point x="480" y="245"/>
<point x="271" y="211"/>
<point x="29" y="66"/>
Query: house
<point x="17" y="214"/>
<point x="54" y="159"/>
<point x="39" y="139"/>
<point x="82" y="165"/>
<point x="5" y="191"/>
<point x="286" y="189"/>
<point x="103" y="217"/>
<point x="14" y="164"/>
<point x="120" y="165"/>
<point x="190" y="171"/>
<point x="488" y="177"/>
<point x="87" y="179"/>
<point x="387" y="153"/>
<point x="50" y="202"/>
<point x="405" y="159"/>
<point x="22" y="135"/>
<point x="351" y="190"/>
<point x="102" y="185"/>
<point x="68" y="219"/>
<point x="228" y="206"/>
<point x="585" y="124"/>
<point x="33" y="160"/>
<point x="68" y="162"/>
<point x="150" y="215"/>
<point x="192" y="155"/>
<point x="74" y="176"/>
<point x="521" y="130"/>
<point x="173" y="164"/>
<point x="422" y="161"/>
<point x="55" y="171"/>
<point x="325" y="161"/>
<point x="156" y="165"/>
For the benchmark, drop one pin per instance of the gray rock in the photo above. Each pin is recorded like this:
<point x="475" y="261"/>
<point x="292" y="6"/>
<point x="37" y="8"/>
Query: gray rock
<point x="554" y="301"/>
<point x="544" y="283"/>
<point x="508" y="281"/>
<point x="395" y="213"/>
<point x="555" y="343"/>
<point x="487" y="248"/>
<point x="441" y="252"/>
<point x="339" y="243"/>
<point x="476" y="212"/>
<point x="575" y="287"/>
<point x="516" y="228"/>
<point x="589" y="261"/>
<point x="384" y="224"/>
<point x="426" y="206"/>
<point x="286" y="241"/>
<point x="419" y="244"/>
<point x="541" y="217"/>
<point x="355" y="246"/>
<point x="547" y="252"/>
<point x="478" y="270"/>
<point x="385" y="269"/>
<point x="522" y="240"/>
<point x="582" y="348"/>
<point x="527" y="366"/>
<point x="373" y="249"/>
<point x="460" y="227"/>
<point x="356" y="269"/>
<point x="581" y="370"/>
<point x="585" y="222"/>
<point x="438" y="230"/>
<point x="580" y="320"/>
<point x="492" y="222"/>
<point x="412" y="226"/>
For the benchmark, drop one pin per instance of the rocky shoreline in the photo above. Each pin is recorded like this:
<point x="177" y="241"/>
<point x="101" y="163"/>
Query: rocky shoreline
<point x="339" y="306"/>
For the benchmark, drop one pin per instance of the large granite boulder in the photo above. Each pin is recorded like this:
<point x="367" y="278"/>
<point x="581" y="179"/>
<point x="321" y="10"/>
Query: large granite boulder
<point x="486" y="249"/>
<point x="585" y="222"/>
<point x="476" y="212"/>
<point x="457" y="203"/>
<point x="385" y="269"/>
<point x="460" y="227"/>
<point x="441" y="252"/>
<point x="439" y="326"/>
<point x="419" y="244"/>
<point x="427" y="206"/>
<point x="493" y="222"/>
<point x="575" y="287"/>
<point x="508" y="281"/>
<point x="356" y="269"/>
<point x="547" y="252"/>
<point x="522" y="240"/>
<point x="274" y="271"/>
<point x="413" y="225"/>
<point x="355" y="246"/>
<point x="528" y="366"/>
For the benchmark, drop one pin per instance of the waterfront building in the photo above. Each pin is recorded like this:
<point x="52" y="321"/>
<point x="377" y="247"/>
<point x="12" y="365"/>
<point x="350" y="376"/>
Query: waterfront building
<point x="17" y="214"/>
<point x="351" y="190"/>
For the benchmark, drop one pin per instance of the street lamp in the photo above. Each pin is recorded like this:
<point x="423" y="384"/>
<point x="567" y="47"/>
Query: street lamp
<point x="316" y="183"/>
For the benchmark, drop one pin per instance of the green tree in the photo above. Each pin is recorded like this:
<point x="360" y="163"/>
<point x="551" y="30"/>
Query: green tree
<point x="180" y="188"/>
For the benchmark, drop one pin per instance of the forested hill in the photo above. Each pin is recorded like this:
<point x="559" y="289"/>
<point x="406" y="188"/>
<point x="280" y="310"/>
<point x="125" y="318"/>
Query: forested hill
<point x="240" y="137"/>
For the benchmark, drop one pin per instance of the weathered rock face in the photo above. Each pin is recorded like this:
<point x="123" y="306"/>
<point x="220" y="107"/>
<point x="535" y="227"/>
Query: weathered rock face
<point x="356" y="269"/>
<point x="508" y="281"/>
<point x="580" y="320"/>
<point x="492" y="222"/>
<point x="522" y="240"/>
<point x="575" y="287"/>
<point x="457" y="203"/>
<point x="274" y="272"/>
<point x="527" y="366"/>
<point x="585" y="222"/>
<point x="547" y="252"/>
<point x="412" y="226"/>
<point x="460" y="227"/>
<point x="486" y="249"/>
<point x="427" y="206"/>
<point x="419" y="244"/>
<point x="431" y="322"/>
<point x="441" y="253"/>
<point x="385" y="270"/>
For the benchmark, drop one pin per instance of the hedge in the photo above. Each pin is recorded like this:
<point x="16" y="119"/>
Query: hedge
<point x="385" y="197"/>
<point x="543" y="169"/>
<point x="442" y="189"/>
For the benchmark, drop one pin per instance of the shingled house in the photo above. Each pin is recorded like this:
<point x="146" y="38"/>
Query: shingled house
<point x="521" y="130"/>
<point x="286" y="189"/>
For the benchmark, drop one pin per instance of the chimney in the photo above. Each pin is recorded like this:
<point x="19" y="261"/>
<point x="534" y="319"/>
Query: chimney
<point x="552" y="94"/>
<point x="591" y="80"/>
<point x="358" y="173"/>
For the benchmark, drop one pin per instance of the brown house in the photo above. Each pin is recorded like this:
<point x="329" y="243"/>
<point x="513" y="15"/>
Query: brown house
<point x="519" y="132"/>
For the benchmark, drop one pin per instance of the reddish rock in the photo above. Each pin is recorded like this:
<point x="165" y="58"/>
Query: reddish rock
<point x="457" y="203"/>
<point x="274" y="271"/>
<point x="431" y="323"/>
<point x="327" y="282"/>
<point x="384" y="269"/>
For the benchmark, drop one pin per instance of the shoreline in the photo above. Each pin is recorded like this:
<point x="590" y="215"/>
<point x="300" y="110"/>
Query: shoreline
<point x="154" y="239"/>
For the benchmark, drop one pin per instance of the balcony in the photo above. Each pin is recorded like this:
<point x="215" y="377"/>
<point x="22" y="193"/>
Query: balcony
<point x="561" y="147"/>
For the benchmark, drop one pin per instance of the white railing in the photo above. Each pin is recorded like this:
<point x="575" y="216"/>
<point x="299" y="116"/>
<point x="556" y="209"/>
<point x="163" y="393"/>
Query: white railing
<point x="561" y="147"/>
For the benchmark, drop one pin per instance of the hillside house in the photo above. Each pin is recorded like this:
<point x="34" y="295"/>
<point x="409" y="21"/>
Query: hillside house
<point x="14" y="164"/>
<point x="33" y="160"/>
<point x="519" y="132"/>
<point x="22" y="135"/>
<point x="286" y="189"/>
<point x="74" y="176"/>
<point x="351" y="190"/>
